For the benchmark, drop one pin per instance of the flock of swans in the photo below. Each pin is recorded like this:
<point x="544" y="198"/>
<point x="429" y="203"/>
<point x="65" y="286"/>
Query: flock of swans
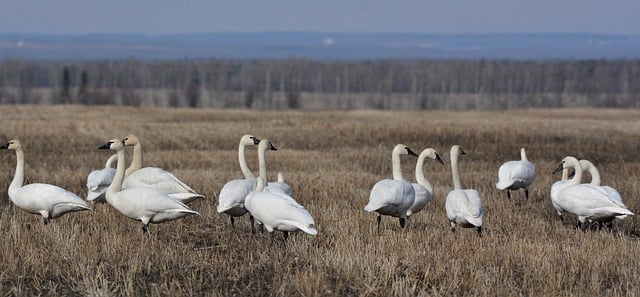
<point x="154" y="195"/>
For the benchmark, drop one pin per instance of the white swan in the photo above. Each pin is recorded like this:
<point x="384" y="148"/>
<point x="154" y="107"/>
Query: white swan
<point x="47" y="200"/>
<point x="586" y="201"/>
<point x="464" y="206"/>
<point x="612" y="193"/>
<point x="233" y="193"/>
<point x="514" y="175"/>
<point x="279" y="186"/>
<point x="423" y="188"/>
<point x="146" y="204"/>
<point x="393" y="197"/>
<point x="155" y="177"/>
<point x="99" y="180"/>
<point x="560" y="185"/>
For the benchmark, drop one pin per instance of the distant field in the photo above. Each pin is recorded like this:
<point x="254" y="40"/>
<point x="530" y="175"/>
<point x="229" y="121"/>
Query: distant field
<point x="331" y="159"/>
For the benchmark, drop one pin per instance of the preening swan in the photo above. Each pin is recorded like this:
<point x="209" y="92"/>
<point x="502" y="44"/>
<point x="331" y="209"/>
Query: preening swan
<point x="233" y="193"/>
<point x="146" y="204"/>
<point x="423" y="188"/>
<point x="277" y="211"/>
<point x="155" y="177"/>
<point x="393" y="197"/>
<point x="612" y="193"/>
<point x="99" y="180"/>
<point x="514" y="175"/>
<point x="464" y="206"/>
<point x="586" y="201"/>
<point x="47" y="200"/>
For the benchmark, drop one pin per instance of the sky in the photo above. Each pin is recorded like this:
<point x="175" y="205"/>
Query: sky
<point x="404" y="16"/>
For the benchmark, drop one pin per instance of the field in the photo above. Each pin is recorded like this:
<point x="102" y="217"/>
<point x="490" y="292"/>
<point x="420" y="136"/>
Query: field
<point x="331" y="159"/>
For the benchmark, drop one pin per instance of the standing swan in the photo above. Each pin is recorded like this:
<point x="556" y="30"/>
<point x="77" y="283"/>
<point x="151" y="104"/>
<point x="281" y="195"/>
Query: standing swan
<point x="393" y="197"/>
<point x="233" y="193"/>
<point x="464" y="206"/>
<point x="612" y="193"/>
<point x="99" y="180"/>
<point x="165" y="181"/>
<point x="514" y="175"/>
<point x="146" y="204"/>
<point x="47" y="200"/>
<point x="423" y="188"/>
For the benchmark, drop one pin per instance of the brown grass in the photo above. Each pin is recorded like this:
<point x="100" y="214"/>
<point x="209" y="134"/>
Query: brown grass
<point x="331" y="159"/>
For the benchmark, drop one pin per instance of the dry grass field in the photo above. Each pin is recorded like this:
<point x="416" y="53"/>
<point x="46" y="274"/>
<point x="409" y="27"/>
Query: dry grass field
<point x="331" y="159"/>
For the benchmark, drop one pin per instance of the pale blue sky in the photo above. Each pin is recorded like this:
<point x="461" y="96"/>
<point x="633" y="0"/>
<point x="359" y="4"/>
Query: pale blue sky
<point x="443" y="16"/>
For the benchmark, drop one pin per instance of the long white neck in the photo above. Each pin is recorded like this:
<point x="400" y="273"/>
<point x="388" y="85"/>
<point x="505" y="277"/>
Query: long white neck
<point x="577" y="178"/>
<point x="595" y="174"/>
<point x="454" y="169"/>
<point x="243" y="163"/>
<point x="420" y="174"/>
<point x="523" y="155"/>
<point x="565" y="173"/>
<point x="136" y="160"/>
<point x="110" y="161"/>
<point x="18" y="178"/>
<point x="259" y="185"/>
<point x="395" y="165"/>
<point x="262" y="164"/>
<point x="116" y="184"/>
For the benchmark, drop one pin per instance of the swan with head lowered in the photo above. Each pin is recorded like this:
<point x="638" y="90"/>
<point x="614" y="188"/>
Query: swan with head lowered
<point x="586" y="201"/>
<point x="463" y="206"/>
<point x="99" y="180"/>
<point x="233" y="193"/>
<point x="393" y="197"/>
<point x="47" y="200"/>
<point x="514" y="175"/>
<point x="423" y="188"/>
<point x="137" y="176"/>
<point x="147" y="204"/>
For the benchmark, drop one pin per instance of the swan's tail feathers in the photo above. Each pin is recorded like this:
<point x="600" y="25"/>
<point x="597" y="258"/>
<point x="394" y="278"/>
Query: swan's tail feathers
<point x="621" y="217"/>
<point x="95" y="196"/>
<point x="187" y="211"/>
<point x="371" y="207"/>
<point x="185" y="197"/>
<point x="503" y="185"/>
<point x="476" y="221"/>
<point x="306" y="228"/>
<point x="280" y="177"/>
<point x="620" y="213"/>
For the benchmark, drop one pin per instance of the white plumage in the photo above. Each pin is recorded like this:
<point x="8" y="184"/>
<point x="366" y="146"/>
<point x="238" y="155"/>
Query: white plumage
<point x="423" y="188"/>
<point x="463" y="206"/>
<point x="99" y="180"/>
<point x="514" y="175"/>
<point x="611" y="193"/>
<point x="47" y="200"/>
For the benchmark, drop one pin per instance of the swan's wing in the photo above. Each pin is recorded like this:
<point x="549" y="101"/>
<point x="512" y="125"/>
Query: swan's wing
<point x="423" y="196"/>
<point x="273" y="209"/>
<point x="613" y="195"/>
<point x="585" y="199"/>
<point x="147" y="202"/>
<point x="388" y="192"/>
<point x="515" y="172"/>
<point x="233" y="194"/>
<point x="280" y="187"/>
<point x="102" y="177"/>
<point x="156" y="178"/>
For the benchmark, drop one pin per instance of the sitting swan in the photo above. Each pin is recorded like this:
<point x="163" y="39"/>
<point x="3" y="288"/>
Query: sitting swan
<point x="147" y="204"/>
<point x="233" y="193"/>
<point x="612" y="194"/>
<point x="464" y="206"/>
<point x="423" y="188"/>
<point x="99" y="180"/>
<point x="136" y="176"/>
<point x="586" y="201"/>
<point x="277" y="211"/>
<point x="47" y="200"/>
<point x="514" y="175"/>
<point x="393" y="197"/>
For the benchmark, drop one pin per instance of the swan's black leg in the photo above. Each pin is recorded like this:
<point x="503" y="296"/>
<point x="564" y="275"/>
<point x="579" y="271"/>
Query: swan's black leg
<point x="508" y="194"/>
<point x="253" y="228"/>
<point x="402" y="222"/>
<point x="526" y="193"/>
<point x="286" y="235"/>
<point x="479" y="229"/>
<point x="145" y="229"/>
<point x="47" y="220"/>
<point x="232" y="221"/>
<point x="379" y="218"/>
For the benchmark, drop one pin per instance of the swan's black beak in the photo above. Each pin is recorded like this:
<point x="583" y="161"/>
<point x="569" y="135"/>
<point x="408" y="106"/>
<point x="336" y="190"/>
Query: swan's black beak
<point x="273" y="147"/>
<point x="256" y="140"/>
<point x="411" y="153"/>
<point x="462" y="152"/>
<point x="4" y="146"/>
<point x="439" y="159"/>
<point x="106" y="146"/>
<point x="560" y="167"/>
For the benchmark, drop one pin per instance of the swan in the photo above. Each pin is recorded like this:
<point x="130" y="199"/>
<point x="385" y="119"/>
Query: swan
<point x="278" y="211"/>
<point x="514" y="175"/>
<point x="99" y="180"/>
<point x="612" y="193"/>
<point x="423" y="188"/>
<point x="586" y="201"/>
<point x="233" y="193"/>
<point x="393" y="197"/>
<point x="279" y="186"/>
<point x="136" y="176"/>
<point x="559" y="185"/>
<point x="147" y="204"/>
<point x="464" y="206"/>
<point x="47" y="200"/>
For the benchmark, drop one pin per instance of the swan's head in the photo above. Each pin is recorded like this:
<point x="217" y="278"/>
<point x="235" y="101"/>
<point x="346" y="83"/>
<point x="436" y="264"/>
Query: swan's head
<point x="567" y="162"/>
<point x="130" y="140"/>
<point x="13" y="144"/>
<point x="431" y="154"/>
<point x="265" y="145"/>
<point x="457" y="150"/>
<point x="249" y="140"/>
<point x="113" y="144"/>
<point x="401" y="149"/>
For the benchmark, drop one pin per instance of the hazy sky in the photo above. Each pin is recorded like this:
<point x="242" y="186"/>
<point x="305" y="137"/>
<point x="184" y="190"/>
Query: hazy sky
<point x="425" y="16"/>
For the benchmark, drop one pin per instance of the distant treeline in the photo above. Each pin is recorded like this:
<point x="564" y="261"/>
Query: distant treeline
<point x="307" y="84"/>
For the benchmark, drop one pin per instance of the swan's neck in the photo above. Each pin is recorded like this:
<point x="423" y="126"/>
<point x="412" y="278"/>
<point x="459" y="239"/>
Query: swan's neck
<point x="395" y="165"/>
<point x="262" y="163"/>
<point x="116" y="184"/>
<point x="595" y="176"/>
<point x="110" y="161"/>
<point x="565" y="173"/>
<point x="18" y="178"/>
<point x="243" y="163"/>
<point x="523" y="155"/>
<point x="136" y="160"/>
<point x="577" y="178"/>
<point x="454" y="170"/>
<point x="420" y="175"/>
<point x="259" y="185"/>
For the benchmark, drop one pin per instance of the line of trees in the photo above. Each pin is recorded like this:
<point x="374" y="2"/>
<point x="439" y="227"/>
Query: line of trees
<point x="307" y="84"/>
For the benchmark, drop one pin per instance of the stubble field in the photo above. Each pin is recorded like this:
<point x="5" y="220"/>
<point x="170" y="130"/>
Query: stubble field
<point x="331" y="159"/>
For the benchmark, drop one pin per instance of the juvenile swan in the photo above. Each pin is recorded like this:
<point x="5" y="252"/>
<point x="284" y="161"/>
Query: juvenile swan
<point x="423" y="188"/>
<point x="393" y="197"/>
<point x="233" y="193"/>
<point x="47" y="200"/>
<point x="277" y="211"/>
<point x="514" y="175"/>
<point x="155" y="177"/>
<point x="464" y="207"/>
<point x="146" y="204"/>
<point x="99" y="180"/>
